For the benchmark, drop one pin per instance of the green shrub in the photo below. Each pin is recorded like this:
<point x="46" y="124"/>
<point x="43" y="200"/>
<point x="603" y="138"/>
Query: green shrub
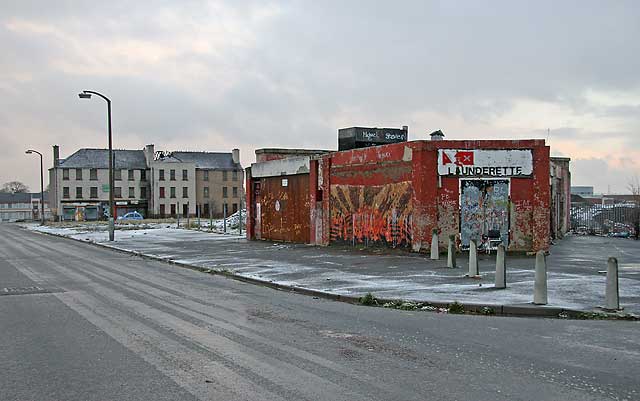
<point x="368" y="300"/>
<point x="456" y="308"/>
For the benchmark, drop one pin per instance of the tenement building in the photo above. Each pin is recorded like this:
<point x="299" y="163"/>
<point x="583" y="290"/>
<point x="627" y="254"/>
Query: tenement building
<point x="154" y="184"/>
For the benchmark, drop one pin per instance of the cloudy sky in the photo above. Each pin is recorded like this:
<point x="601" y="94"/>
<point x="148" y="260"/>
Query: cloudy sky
<point x="201" y="75"/>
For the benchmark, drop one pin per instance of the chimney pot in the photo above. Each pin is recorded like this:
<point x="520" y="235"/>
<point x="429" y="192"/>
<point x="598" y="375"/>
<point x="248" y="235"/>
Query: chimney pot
<point x="235" y="155"/>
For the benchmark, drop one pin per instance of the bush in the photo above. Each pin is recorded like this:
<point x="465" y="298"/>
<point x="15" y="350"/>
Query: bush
<point x="456" y="308"/>
<point x="368" y="300"/>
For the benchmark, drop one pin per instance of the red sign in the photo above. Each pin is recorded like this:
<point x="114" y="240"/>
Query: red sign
<point x="464" y="158"/>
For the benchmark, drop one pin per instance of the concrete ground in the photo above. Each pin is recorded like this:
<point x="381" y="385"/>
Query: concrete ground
<point x="110" y="326"/>
<point x="573" y="266"/>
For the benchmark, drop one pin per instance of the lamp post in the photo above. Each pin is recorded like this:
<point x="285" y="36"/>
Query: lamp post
<point x="31" y="151"/>
<point x="112" y="211"/>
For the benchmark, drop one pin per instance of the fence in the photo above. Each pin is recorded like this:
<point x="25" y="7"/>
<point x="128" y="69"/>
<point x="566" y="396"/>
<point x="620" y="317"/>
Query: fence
<point x="618" y="219"/>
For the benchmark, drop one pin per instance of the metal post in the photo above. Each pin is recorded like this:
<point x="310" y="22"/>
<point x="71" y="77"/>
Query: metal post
<point x="224" y="217"/>
<point x="240" y="220"/>
<point x="435" y="252"/>
<point x="473" y="258"/>
<point x="540" y="280"/>
<point x="178" y="214"/>
<point x="188" y="221"/>
<point x="210" y="217"/>
<point x="451" y="252"/>
<point x="199" y="206"/>
<point x="612" y="295"/>
<point x="501" y="268"/>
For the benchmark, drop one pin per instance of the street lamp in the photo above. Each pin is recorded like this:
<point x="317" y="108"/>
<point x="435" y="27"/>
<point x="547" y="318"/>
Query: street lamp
<point x="112" y="211"/>
<point x="31" y="151"/>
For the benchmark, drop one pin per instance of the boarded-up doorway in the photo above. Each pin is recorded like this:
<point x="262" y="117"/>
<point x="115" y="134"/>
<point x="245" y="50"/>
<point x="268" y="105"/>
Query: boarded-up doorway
<point x="284" y="209"/>
<point x="484" y="210"/>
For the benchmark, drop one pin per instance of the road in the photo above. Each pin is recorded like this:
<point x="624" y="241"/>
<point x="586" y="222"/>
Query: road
<point x="85" y="323"/>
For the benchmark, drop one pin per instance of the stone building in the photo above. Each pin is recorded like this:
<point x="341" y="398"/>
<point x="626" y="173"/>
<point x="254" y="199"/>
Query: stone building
<point x="153" y="183"/>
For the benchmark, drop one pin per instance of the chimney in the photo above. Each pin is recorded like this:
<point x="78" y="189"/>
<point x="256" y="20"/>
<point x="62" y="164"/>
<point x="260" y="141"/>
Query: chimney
<point x="235" y="156"/>
<point x="56" y="156"/>
<point x="437" y="135"/>
<point x="149" y="154"/>
<point x="405" y="128"/>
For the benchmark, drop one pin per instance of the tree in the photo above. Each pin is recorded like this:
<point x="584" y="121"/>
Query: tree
<point x="634" y="187"/>
<point x="14" y="187"/>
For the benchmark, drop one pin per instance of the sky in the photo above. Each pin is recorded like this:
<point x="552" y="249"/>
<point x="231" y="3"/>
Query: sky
<point x="217" y="75"/>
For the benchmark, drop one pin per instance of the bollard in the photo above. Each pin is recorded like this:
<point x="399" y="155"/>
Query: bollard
<point x="540" y="283"/>
<point x="435" y="252"/>
<point x="451" y="252"/>
<point x="473" y="258"/>
<point x="501" y="268"/>
<point x="612" y="296"/>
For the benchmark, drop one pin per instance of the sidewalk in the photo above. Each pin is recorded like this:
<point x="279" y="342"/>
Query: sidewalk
<point x="574" y="281"/>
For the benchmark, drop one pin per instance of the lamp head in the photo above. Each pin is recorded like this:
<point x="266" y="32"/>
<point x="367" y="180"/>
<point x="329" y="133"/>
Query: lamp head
<point x="29" y="151"/>
<point x="83" y="95"/>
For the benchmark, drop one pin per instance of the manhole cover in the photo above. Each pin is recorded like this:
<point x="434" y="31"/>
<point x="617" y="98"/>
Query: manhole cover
<point x="26" y="290"/>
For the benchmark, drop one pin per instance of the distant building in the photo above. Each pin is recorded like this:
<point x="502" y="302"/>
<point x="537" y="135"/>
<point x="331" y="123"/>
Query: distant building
<point x="155" y="184"/>
<point x="22" y="207"/>
<point x="582" y="191"/>
<point x="560" y="196"/>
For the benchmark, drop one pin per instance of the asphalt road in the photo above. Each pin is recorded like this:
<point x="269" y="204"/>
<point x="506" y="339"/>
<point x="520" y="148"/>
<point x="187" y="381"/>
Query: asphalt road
<point x="119" y="327"/>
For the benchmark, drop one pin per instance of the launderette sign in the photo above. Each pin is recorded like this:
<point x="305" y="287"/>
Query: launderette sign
<point x="485" y="163"/>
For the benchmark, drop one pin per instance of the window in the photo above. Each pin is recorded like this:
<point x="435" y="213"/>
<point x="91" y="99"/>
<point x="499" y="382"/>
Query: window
<point x="65" y="174"/>
<point x="234" y="208"/>
<point x="117" y="174"/>
<point x="205" y="192"/>
<point x="234" y="175"/>
<point x="173" y="192"/>
<point x="172" y="175"/>
<point x="78" y="174"/>
<point x="117" y="192"/>
<point x="143" y="192"/>
<point x="185" y="210"/>
<point x="93" y="174"/>
<point x="161" y="192"/>
<point x="224" y="192"/>
<point x="132" y="192"/>
<point x="143" y="175"/>
<point x="78" y="192"/>
<point x="162" y="211"/>
<point x="225" y="176"/>
<point x="93" y="192"/>
<point x="205" y="209"/>
<point x="65" y="192"/>
<point x="235" y="192"/>
<point x="131" y="175"/>
<point x="173" y="209"/>
<point x="185" y="192"/>
<point x="205" y="175"/>
<point x="161" y="175"/>
<point x="185" y="175"/>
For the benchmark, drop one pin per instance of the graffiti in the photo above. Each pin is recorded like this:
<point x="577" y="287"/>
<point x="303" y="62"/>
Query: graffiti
<point x="484" y="207"/>
<point x="372" y="215"/>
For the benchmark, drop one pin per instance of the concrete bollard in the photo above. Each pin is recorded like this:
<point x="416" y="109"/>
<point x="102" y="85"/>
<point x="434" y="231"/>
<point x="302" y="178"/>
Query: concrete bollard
<point x="540" y="283"/>
<point x="473" y="258"/>
<point x="612" y="296"/>
<point x="501" y="268"/>
<point x="435" y="252"/>
<point x="451" y="252"/>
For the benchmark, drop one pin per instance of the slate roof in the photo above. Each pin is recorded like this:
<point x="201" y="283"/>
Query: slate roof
<point x="209" y="160"/>
<point x="23" y="197"/>
<point x="99" y="158"/>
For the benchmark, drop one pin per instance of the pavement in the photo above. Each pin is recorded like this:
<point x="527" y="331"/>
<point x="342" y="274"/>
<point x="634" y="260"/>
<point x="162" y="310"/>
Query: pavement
<point x="574" y="281"/>
<point x="108" y="325"/>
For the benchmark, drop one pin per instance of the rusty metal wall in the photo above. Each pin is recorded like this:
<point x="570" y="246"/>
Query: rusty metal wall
<point x="284" y="210"/>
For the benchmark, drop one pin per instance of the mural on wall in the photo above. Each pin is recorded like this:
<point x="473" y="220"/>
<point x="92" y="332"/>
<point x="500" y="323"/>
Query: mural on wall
<point x="484" y="210"/>
<point x="378" y="215"/>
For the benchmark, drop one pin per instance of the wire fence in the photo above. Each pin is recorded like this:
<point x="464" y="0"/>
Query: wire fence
<point x="615" y="219"/>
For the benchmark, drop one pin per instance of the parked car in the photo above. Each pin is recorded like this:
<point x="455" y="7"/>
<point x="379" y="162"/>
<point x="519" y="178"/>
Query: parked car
<point x="131" y="216"/>
<point x="621" y="234"/>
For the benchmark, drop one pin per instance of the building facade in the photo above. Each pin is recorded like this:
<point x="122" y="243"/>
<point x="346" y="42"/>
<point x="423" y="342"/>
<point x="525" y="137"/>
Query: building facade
<point x="397" y="195"/>
<point x="153" y="183"/>
<point x="22" y="207"/>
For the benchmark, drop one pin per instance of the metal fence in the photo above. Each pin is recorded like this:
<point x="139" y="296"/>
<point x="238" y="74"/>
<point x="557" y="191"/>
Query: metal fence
<point x="619" y="218"/>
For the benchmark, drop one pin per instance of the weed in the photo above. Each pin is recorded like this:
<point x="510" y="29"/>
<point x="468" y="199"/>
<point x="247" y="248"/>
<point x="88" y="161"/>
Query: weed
<point x="486" y="310"/>
<point x="368" y="300"/>
<point x="456" y="308"/>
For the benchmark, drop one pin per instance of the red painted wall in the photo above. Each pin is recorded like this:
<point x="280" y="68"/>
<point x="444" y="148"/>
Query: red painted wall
<point x="392" y="196"/>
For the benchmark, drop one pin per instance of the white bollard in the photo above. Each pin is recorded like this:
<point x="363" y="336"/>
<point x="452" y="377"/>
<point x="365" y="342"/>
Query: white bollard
<point x="435" y="252"/>
<point x="473" y="258"/>
<point x="540" y="283"/>
<point x="451" y="252"/>
<point x="501" y="268"/>
<point x="612" y="296"/>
